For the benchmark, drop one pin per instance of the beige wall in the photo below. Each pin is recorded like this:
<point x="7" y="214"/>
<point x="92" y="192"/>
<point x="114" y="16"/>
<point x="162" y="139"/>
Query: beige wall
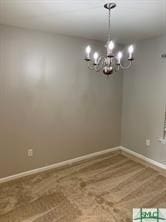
<point x="144" y="97"/>
<point x="51" y="102"/>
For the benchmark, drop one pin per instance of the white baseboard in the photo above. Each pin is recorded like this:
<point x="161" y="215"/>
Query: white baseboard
<point x="59" y="164"/>
<point x="82" y="158"/>
<point x="142" y="157"/>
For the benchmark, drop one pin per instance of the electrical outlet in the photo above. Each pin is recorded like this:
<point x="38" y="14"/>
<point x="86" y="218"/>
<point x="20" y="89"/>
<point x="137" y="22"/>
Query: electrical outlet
<point x="147" y="142"/>
<point x="30" y="152"/>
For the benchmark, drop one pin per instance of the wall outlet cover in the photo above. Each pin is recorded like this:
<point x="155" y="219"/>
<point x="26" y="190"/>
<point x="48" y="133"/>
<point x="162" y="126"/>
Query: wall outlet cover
<point x="147" y="142"/>
<point x="30" y="152"/>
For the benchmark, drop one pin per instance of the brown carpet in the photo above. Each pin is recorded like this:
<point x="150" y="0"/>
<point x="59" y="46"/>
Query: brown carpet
<point x="104" y="189"/>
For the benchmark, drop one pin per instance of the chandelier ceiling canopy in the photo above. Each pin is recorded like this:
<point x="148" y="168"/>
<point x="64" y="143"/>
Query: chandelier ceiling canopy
<point x="112" y="61"/>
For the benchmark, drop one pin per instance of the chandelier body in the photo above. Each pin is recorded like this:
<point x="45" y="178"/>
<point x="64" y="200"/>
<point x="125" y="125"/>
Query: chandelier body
<point x="112" y="61"/>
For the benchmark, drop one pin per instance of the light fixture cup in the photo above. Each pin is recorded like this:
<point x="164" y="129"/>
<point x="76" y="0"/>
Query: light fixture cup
<point x="110" y="55"/>
<point x="95" y="64"/>
<point x="131" y="58"/>
<point x="110" y="5"/>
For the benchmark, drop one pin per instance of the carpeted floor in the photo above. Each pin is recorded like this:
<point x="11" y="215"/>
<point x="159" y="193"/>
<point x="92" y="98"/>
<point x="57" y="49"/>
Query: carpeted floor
<point x="104" y="189"/>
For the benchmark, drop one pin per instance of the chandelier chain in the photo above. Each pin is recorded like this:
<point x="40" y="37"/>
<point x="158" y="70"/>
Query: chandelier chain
<point x="109" y="25"/>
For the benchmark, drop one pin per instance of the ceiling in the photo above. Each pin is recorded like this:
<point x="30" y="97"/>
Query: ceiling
<point x="131" y="20"/>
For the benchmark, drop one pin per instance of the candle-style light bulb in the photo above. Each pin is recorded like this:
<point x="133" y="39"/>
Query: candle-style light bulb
<point x="96" y="56"/>
<point x="110" y="48"/>
<point x="130" y="51"/>
<point x="111" y="45"/>
<point x="119" y="57"/>
<point x="88" y="51"/>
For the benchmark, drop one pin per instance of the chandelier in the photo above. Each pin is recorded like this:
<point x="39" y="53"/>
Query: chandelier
<point x="112" y="61"/>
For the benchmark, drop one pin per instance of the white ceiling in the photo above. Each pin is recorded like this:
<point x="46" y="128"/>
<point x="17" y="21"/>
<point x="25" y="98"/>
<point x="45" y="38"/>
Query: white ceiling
<point x="131" y="20"/>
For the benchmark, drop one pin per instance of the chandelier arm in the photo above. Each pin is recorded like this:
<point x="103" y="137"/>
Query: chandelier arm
<point x="100" y="65"/>
<point x="117" y="68"/>
<point x="98" y="69"/>
<point x="126" y="67"/>
<point x="114" y="66"/>
<point x="90" y="65"/>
